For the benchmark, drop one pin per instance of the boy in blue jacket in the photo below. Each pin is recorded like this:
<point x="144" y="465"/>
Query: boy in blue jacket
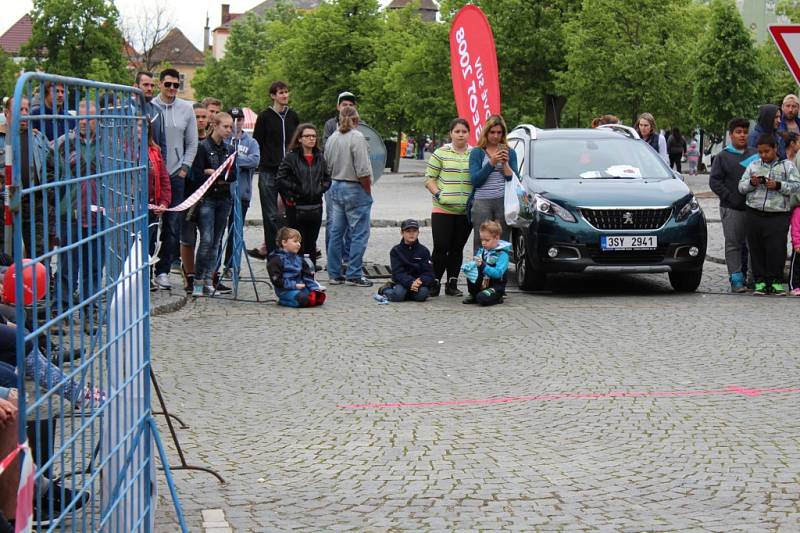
<point x="486" y="273"/>
<point x="412" y="269"/>
<point x="291" y="275"/>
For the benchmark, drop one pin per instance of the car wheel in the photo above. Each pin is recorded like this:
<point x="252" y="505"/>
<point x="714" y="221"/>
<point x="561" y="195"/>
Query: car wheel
<point x="685" y="281"/>
<point x="529" y="279"/>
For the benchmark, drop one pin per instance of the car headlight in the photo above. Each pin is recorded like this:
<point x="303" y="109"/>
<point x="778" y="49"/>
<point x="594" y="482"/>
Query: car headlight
<point x="543" y="205"/>
<point x="691" y="207"/>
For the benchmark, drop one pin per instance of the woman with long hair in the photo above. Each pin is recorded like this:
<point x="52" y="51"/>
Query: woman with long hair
<point x="447" y="179"/>
<point x="303" y="178"/>
<point x="676" y="148"/>
<point x="491" y="165"/>
<point x="646" y="128"/>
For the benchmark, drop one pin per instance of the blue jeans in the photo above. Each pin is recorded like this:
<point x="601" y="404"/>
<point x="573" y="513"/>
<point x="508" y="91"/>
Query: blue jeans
<point x="329" y="225"/>
<point x="398" y="293"/>
<point x="171" y="227"/>
<point x="212" y="218"/>
<point x="350" y="209"/>
<point x="83" y="262"/>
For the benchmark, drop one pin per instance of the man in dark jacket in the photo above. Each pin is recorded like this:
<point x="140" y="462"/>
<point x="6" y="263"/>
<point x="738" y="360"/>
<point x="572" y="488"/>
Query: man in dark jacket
<point x="144" y="81"/>
<point x="412" y="269"/>
<point x="273" y="133"/>
<point x="727" y="169"/>
<point x="769" y="119"/>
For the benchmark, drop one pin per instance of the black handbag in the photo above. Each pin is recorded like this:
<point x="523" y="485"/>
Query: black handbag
<point x="308" y="213"/>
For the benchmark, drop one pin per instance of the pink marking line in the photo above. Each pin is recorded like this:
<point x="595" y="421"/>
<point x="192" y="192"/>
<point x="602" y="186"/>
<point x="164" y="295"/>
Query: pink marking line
<point x="729" y="390"/>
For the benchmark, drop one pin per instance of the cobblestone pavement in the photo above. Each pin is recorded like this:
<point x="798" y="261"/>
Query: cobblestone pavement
<point x="262" y="389"/>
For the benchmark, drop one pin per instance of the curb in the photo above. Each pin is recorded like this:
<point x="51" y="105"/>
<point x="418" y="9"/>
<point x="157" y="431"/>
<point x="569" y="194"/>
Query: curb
<point x="169" y="307"/>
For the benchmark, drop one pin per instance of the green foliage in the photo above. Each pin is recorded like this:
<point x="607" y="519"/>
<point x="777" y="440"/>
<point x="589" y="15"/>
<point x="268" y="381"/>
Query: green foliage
<point x="322" y="54"/>
<point x="9" y="71"/>
<point x="69" y="37"/>
<point x="778" y="81"/>
<point x="789" y="9"/>
<point x="251" y="40"/>
<point x="627" y="61"/>
<point x="728" y="78"/>
<point x="409" y="54"/>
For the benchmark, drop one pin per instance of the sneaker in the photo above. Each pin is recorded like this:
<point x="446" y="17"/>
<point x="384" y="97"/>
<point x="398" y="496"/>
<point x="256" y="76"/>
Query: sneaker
<point x="255" y="253"/>
<point x="209" y="290"/>
<point x="188" y="286"/>
<point x="53" y="492"/>
<point x="386" y="286"/>
<point x="92" y="398"/>
<point x="469" y="300"/>
<point x="380" y="298"/>
<point x="359" y="282"/>
<point x="760" y="289"/>
<point x="777" y="289"/>
<point x="222" y="289"/>
<point x="451" y="288"/>
<point x="197" y="289"/>
<point x="737" y="282"/>
<point x="436" y="288"/>
<point x="795" y="292"/>
<point x="336" y="281"/>
<point x="162" y="280"/>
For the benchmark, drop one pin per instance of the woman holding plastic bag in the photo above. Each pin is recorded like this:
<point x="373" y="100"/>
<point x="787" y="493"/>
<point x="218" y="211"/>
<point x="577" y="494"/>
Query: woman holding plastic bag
<point x="491" y="165"/>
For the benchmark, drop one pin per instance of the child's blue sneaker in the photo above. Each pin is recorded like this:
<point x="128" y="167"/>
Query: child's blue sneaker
<point x="737" y="282"/>
<point x="380" y="298"/>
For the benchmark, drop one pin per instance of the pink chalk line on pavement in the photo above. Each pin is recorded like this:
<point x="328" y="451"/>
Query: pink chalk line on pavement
<point x="729" y="390"/>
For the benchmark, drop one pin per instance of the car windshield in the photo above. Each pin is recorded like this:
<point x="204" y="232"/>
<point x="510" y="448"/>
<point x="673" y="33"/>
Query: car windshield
<point x="607" y="158"/>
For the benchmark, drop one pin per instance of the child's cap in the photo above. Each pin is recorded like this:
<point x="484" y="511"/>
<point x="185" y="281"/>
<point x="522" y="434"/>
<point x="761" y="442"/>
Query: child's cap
<point x="409" y="223"/>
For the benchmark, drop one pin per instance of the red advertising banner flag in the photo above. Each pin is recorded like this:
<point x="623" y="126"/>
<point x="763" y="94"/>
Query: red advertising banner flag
<point x="473" y="64"/>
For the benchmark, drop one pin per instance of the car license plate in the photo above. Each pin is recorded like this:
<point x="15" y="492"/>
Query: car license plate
<point x="628" y="242"/>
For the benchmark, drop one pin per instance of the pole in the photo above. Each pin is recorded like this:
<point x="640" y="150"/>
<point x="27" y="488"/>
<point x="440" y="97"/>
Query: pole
<point x="7" y="199"/>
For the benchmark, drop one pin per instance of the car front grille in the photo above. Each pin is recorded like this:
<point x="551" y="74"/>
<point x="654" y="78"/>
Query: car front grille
<point x="626" y="219"/>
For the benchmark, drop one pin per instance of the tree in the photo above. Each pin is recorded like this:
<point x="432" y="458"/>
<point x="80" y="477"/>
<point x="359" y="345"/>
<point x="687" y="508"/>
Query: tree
<point x="144" y="32"/>
<point x="728" y="79"/>
<point x="252" y="38"/>
<point x="321" y="55"/>
<point x="530" y="41"/>
<point x="626" y="61"/>
<point x="9" y="72"/>
<point x="68" y="34"/>
<point x="778" y="80"/>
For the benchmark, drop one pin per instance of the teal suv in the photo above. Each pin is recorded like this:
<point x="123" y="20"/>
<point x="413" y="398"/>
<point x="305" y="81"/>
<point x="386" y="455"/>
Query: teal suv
<point x="601" y="200"/>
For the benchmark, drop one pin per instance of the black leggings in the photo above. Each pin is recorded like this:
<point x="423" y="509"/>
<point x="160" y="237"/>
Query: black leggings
<point x="450" y="234"/>
<point x="675" y="161"/>
<point x="309" y="231"/>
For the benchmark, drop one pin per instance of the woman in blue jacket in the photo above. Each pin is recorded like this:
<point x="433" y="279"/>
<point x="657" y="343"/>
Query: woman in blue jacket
<point x="491" y="165"/>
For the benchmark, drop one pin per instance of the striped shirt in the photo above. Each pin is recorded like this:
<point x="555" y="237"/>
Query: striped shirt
<point x="495" y="186"/>
<point x="450" y="171"/>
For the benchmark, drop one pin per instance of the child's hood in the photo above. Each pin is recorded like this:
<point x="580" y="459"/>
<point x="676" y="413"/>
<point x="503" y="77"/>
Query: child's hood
<point x="502" y="246"/>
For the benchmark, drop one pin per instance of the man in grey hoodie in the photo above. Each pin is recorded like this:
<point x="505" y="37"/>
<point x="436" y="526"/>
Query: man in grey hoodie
<point x="180" y="129"/>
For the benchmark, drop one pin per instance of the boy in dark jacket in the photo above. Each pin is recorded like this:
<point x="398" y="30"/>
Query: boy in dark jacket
<point x="412" y="269"/>
<point x="291" y="275"/>
<point x="726" y="171"/>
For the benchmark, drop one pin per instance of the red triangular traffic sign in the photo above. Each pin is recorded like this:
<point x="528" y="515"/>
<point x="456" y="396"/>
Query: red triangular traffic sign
<point x="787" y="38"/>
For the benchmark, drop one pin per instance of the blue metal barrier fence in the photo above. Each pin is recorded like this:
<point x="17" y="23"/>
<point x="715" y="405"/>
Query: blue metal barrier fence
<point x="79" y="324"/>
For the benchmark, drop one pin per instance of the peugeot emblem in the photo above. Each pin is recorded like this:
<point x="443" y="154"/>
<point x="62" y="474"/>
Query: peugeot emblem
<point x="627" y="218"/>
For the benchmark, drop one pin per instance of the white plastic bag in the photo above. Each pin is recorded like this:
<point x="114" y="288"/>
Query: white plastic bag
<point x="516" y="203"/>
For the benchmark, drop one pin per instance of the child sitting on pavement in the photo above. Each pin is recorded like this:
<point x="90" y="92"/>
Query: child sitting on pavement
<point x="486" y="273"/>
<point x="769" y="185"/>
<point x="412" y="270"/>
<point x="291" y="275"/>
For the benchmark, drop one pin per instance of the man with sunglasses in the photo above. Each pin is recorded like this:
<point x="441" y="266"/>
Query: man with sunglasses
<point x="180" y="129"/>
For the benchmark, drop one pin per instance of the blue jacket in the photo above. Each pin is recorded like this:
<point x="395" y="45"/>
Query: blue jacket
<point x="409" y="262"/>
<point x="247" y="161"/>
<point x="286" y="270"/>
<point x="494" y="265"/>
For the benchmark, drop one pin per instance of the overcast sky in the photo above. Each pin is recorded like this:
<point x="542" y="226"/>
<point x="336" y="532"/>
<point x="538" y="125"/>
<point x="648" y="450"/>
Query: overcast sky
<point x="189" y="17"/>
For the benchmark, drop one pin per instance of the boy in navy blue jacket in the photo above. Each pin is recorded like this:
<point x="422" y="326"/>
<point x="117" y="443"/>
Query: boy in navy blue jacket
<point x="412" y="269"/>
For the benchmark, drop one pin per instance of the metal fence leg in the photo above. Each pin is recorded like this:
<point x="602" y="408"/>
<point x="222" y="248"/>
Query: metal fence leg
<point x="170" y="483"/>
<point x="184" y="465"/>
